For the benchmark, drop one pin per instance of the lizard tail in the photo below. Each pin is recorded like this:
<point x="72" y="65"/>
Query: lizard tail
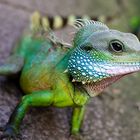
<point x="38" y="23"/>
<point x="41" y="26"/>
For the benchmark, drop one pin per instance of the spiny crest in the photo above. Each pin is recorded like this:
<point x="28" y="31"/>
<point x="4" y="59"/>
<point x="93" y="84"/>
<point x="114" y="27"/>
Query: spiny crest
<point x="86" y="28"/>
<point x="54" y="39"/>
<point x="80" y="23"/>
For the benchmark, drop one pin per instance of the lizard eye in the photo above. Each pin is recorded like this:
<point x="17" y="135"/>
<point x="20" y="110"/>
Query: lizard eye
<point x="87" y="47"/>
<point x="116" y="46"/>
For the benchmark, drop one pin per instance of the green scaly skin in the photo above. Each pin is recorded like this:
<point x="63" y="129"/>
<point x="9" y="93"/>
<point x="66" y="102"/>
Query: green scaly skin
<point x="90" y="62"/>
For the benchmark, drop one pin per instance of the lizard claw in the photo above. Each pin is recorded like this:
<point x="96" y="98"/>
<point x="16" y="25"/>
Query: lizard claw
<point x="9" y="132"/>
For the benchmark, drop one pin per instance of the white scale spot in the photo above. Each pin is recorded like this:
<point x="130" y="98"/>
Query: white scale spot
<point x="83" y="73"/>
<point x="74" y="66"/>
<point x="100" y="73"/>
<point x="79" y="68"/>
<point x="103" y="70"/>
<point x="97" y="69"/>
<point x="84" y="68"/>
<point x="101" y="76"/>
<point x="90" y="67"/>
<point x="90" y="73"/>
<point x="96" y="75"/>
<point x="91" y="63"/>
<point x="78" y="62"/>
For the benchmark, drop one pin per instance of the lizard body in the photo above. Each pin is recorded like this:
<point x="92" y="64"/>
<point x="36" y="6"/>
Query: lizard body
<point x="53" y="74"/>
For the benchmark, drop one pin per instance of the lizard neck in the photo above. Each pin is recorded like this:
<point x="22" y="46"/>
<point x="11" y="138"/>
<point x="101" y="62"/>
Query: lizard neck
<point x="63" y="64"/>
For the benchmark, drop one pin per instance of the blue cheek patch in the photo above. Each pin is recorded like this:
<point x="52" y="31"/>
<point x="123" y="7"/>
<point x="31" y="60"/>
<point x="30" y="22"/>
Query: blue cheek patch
<point x="84" y="68"/>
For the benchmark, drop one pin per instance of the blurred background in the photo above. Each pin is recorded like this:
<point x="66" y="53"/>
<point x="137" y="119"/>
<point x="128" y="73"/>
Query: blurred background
<point x="115" y="114"/>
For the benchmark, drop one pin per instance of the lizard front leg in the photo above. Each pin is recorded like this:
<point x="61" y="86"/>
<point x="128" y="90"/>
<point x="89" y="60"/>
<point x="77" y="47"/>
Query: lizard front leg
<point x="41" y="98"/>
<point x="80" y="99"/>
<point x="77" y="118"/>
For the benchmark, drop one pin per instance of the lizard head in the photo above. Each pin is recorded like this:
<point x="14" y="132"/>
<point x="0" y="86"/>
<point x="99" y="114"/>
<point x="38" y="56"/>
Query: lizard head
<point x="101" y="56"/>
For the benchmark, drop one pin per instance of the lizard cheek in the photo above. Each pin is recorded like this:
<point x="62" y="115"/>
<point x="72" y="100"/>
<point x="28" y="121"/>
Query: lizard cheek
<point x="83" y="68"/>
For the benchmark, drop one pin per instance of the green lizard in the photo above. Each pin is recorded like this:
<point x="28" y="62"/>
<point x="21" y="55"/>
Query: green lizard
<point x="55" y="75"/>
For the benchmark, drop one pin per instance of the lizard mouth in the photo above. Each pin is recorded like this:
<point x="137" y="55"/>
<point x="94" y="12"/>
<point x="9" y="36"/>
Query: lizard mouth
<point x="94" y="88"/>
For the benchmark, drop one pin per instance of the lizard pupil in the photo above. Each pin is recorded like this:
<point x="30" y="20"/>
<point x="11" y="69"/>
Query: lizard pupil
<point x="116" y="46"/>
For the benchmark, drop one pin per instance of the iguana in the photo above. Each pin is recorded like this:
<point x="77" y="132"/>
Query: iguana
<point x="52" y="74"/>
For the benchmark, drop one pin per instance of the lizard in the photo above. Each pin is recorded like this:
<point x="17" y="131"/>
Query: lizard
<point x="53" y="74"/>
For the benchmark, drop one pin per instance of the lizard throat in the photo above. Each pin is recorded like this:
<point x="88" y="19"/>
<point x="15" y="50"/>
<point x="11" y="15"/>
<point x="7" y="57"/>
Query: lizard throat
<point x="112" y="74"/>
<point x="93" y="89"/>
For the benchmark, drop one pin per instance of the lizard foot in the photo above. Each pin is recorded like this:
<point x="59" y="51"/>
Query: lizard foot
<point x="9" y="133"/>
<point x="76" y="137"/>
